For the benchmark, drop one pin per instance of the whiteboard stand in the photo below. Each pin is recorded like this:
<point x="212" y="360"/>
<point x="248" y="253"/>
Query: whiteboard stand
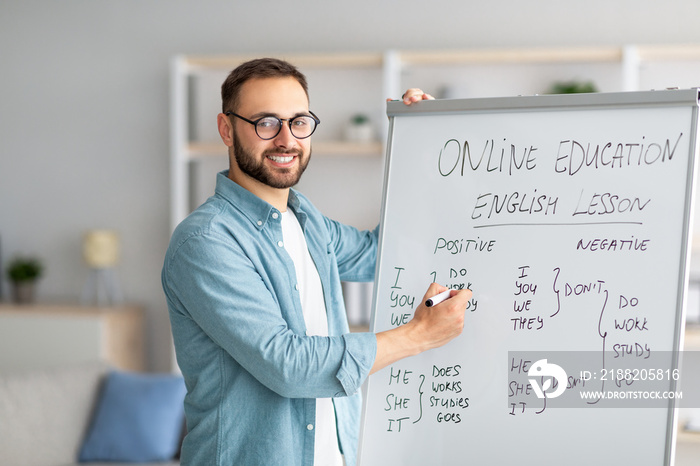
<point x="569" y="216"/>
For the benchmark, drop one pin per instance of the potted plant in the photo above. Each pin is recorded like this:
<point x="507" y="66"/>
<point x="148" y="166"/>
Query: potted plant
<point x="23" y="273"/>
<point x="573" y="87"/>
<point x="359" y="129"/>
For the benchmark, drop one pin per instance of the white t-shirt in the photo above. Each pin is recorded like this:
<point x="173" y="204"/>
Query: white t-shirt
<point x="326" y="451"/>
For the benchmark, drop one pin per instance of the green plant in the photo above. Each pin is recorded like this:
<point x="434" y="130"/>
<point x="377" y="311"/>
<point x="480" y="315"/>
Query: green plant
<point x="573" y="87"/>
<point x="22" y="269"/>
<point x="360" y="119"/>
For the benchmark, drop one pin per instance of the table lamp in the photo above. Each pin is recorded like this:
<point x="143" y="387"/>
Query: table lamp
<point x="101" y="254"/>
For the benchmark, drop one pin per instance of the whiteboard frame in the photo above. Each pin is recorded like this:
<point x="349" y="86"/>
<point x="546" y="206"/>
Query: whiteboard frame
<point x="666" y="98"/>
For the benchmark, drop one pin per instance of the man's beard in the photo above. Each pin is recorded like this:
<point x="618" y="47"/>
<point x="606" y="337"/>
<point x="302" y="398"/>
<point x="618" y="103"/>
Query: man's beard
<point x="257" y="169"/>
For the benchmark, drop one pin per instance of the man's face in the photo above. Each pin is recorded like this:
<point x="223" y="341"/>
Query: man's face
<point x="278" y="162"/>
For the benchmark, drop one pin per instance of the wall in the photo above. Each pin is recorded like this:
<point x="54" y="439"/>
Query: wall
<point x="84" y="99"/>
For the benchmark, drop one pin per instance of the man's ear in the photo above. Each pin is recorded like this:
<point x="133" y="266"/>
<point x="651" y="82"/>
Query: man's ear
<point x="225" y="129"/>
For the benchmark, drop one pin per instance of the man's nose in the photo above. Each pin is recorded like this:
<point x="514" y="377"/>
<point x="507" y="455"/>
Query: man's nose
<point x="285" y="138"/>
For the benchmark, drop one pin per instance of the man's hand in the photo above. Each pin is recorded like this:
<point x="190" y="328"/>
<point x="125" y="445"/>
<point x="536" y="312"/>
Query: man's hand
<point x="431" y="327"/>
<point x="439" y="324"/>
<point x="414" y="95"/>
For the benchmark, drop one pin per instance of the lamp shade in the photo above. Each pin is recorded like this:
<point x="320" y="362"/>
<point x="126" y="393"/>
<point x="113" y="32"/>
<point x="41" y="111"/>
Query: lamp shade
<point x="101" y="248"/>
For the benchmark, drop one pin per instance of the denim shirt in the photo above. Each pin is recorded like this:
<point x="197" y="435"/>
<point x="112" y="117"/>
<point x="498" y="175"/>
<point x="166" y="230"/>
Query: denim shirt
<point x="251" y="372"/>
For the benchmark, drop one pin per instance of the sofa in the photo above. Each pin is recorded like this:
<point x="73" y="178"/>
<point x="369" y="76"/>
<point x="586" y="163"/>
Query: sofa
<point x="89" y="414"/>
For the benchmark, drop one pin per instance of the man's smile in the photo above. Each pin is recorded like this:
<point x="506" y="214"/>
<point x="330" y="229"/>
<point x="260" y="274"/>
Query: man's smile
<point x="282" y="159"/>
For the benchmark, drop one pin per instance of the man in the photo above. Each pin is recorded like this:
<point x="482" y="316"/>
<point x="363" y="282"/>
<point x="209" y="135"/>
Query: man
<point x="252" y="278"/>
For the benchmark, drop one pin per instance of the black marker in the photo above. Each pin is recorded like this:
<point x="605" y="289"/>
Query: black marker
<point x="438" y="298"/>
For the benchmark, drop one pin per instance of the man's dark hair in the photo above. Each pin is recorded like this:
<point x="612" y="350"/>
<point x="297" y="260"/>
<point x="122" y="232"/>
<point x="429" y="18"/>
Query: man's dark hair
<point x="257" y="69"/>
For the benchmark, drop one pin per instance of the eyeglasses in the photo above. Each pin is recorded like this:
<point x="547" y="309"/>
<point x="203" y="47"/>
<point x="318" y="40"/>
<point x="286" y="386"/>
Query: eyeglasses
<point x="268" y="127"/>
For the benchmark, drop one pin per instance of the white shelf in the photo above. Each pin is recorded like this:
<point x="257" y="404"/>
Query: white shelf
<point x="522" y="56"/>
<point x="687" y="52"/>
<point x="228" y="62"/>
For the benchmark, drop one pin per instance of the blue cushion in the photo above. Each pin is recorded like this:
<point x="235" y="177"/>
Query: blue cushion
<point x="139" y="418"/>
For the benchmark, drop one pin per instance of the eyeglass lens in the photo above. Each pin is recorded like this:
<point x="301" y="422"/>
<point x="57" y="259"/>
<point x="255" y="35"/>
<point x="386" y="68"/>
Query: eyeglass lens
<point x="301" y="126"/>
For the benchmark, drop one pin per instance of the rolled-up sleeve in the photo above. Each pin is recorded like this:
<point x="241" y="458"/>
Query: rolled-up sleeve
<point x="360" y="352"/>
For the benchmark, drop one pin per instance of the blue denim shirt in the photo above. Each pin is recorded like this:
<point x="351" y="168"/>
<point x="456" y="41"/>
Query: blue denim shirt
<point x="251" y="372"/>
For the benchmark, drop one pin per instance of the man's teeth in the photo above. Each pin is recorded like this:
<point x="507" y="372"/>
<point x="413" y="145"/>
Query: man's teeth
<point x="281" y="159"/>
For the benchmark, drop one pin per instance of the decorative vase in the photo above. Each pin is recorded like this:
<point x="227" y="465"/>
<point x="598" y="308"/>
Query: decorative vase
<point x="23" y="292"/>
<point x="359" y="129"/>
<point x="363" y="132"/>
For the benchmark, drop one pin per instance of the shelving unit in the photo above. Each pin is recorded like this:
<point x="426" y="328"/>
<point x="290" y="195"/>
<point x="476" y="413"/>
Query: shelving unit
<point x="344" y="83"/>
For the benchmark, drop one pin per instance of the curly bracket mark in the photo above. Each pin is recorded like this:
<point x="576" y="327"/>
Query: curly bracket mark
<point x="420" y="398"/>
<point x="556" y="291"/>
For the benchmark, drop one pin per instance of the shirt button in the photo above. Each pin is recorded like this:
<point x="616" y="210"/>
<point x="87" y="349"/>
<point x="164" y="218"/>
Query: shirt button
<point x="280" y="244"/>
<point x="296" y="287"/>
<point x="310" y="427"/>
<point x="259" y="223"/>
<point x="275" y="215"/>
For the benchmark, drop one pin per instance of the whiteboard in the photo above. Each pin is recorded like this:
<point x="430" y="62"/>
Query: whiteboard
<point x="568" y="217"/>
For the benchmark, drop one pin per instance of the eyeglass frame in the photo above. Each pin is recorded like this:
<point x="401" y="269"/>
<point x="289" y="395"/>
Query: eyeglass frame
<point x="279" y="129"/>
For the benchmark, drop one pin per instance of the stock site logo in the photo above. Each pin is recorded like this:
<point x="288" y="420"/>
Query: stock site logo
<point x="547" y="373"/>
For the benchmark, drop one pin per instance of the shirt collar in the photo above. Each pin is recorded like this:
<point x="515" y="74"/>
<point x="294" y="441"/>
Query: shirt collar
<point x="255" y="209"/>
